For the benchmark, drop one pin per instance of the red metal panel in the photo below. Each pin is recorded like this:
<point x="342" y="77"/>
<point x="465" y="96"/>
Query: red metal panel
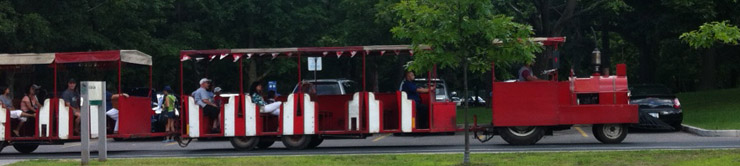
<point x="95" y="56"/>
<point x="443" y="117"/>
<point x="239" y="121"/>
<point x="134" y="115"/>
<point x="598" y="114"/>
<point x="298" y="120"/>
<point x="525" y="104"/>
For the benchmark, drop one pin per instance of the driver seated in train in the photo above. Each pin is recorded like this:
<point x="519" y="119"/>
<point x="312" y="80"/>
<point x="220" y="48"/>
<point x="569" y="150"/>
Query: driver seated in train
<point x="525" y="73"/>
<point x="422" y="111"/>
<point x="256" y="92"/>
<point x="111" y="111"/>
<point x="7" y="102"/>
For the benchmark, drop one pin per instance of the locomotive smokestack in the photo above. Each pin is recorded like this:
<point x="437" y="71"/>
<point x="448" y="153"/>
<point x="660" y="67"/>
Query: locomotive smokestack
<point x="596" y="59"/>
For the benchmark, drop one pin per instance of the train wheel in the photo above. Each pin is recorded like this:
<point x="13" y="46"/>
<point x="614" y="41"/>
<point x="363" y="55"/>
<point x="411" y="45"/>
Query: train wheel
<point x="297" y="142"/>
<point x="2" y="145"/>
<point x="316" y="141"/>
<point x="245" y="143"/>
<point x="25" y="148"/>
<point x="610" y="133"/>
<point x="266" y="142"/>
<point x="521" y="135"/>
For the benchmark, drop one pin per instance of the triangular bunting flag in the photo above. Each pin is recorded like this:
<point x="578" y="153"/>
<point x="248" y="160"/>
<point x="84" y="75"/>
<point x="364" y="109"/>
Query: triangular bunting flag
<point x="274" y="55"/>
<point x="339" y="53"/>
<point x="325" y="53"/>
<point x="352" y="54"/>
<point x="397" y="52"/>
<point x="382" y="52"/>
<point x="249" y="55"/>
<point x="211" y="57"/>
<point x="184" y="58"/>
<point x="223" y="56"/>
<point x="237" y="57"/>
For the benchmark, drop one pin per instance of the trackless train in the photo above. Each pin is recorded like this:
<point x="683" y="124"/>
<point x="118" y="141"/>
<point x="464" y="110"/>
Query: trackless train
<point x="522" y="111"/>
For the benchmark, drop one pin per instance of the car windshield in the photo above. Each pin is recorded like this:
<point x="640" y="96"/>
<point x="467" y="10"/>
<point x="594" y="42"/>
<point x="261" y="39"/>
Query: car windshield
<point x="439" y="90"/>
<point x="653" y="102"/>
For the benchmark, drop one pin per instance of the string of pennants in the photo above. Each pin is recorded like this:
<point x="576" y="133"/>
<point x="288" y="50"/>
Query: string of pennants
<point x="237" y="56"/>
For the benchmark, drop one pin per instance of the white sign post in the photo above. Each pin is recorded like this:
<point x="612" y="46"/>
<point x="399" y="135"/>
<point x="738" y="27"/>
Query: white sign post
<point x="93" y="102"/>
<point x="314" y="64"/>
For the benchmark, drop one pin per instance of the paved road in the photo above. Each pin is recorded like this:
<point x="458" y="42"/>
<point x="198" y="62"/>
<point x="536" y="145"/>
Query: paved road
<point x="569" y="140"/>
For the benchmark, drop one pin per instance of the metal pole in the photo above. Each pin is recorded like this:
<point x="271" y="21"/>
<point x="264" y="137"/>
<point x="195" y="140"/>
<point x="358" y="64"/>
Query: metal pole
<point x="85" y="125"/>
<point x="466" y="155"/>
<point x="102" y="129"/>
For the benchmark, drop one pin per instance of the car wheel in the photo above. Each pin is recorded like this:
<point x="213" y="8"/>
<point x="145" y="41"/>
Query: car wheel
<point x="244" y="143"/>
<point x="521" y="135"/>
<point x="25" y="148"/>
<point x="677" y="127"/>
<point x="610" y="133"/>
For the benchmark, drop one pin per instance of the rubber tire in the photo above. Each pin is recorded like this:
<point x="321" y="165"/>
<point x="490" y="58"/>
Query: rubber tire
<point x="265" y="142"/>
<point x="598" y="131"/>
<point x="245" y="143"/>
<point x="25" y="148"/>
<point x="118" y="139"/>
<point x="3" y="144"/>
<point x="677" y="127"/>
<point x="315" y="142"/>
<point x="536" y="133"/>
<point x="297" y="142"/>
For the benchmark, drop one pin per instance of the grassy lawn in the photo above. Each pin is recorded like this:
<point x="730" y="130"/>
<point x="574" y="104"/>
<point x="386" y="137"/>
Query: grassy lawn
<point x="717" y="109"/>
<point x="483" y="114"/>
<point x="654" y="157"/>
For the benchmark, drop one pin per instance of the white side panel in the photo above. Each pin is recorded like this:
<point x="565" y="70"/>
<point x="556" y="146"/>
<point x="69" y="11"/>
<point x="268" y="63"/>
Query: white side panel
<point x="288" y="113"/>
<point x="44" y="115"/>
<point x="3" y="116"/>
<point x="94" y="111"/>
<point x="250" y="116"/>
<point x="406" y="108"/>
<point x="193" y="118"/>
<point x="229" y="115"/>
<point x="63" y="120"/>
<point x="354" y="111"/>
<point x="374" y="113"/>
<point x="309" y="123"/>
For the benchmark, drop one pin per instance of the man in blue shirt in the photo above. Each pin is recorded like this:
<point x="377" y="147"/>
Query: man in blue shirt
<point x="412" y="91"/>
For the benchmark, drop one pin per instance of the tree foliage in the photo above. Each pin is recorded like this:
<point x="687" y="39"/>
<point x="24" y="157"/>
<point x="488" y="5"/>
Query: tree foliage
<point x="462" y="32"/>
<point x="710" y="33"/>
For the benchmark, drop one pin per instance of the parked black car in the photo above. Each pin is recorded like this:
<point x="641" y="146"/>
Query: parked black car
<point x="659" y="108"/>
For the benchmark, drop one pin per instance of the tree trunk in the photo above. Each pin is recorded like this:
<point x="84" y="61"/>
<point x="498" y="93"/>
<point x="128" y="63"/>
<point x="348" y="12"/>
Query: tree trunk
<point x="708" y="70"/>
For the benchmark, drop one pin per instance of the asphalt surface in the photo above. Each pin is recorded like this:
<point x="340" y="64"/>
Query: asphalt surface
<point x="569" y="140"/>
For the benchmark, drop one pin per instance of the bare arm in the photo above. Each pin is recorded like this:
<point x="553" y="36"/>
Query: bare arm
<point x="116" y="96"/>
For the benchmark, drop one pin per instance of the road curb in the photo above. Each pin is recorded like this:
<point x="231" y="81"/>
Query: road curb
<point x="710" y="133"/>
<point x="9" y="161"/>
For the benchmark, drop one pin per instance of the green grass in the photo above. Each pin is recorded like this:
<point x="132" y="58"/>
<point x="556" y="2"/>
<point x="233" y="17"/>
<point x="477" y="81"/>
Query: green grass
<point x="716" y="109"/>
<point x="647" y="158"/>
<point x="483" y="114"/>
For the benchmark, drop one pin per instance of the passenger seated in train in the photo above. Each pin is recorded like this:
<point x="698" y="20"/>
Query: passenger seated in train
<point x="256" y="92"/>
<point x="309" y="89"/>
<point x="111" y="111"/>
<point x="71" y="98"/>
<point x="422" y="111"/>
<point x="204" y="99"/>
<point x="7" y="102"/>
<point x="217" y="96"/>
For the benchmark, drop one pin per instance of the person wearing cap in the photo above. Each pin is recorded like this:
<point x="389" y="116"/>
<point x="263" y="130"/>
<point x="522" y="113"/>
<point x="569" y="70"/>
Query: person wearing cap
<point x="30" y="103"/>
<point x="7" y="102"/>
<point x="526" y="74"/>
<point x="204" y="99"/>
<point x="169" y="112"/>
<point x="112" y="112"/>
<point x="217" y="96"/>
<point x="72" y="99"/>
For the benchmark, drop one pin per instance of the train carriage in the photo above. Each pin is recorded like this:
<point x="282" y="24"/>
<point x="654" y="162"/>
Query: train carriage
<point x="54" y="122"/>
<point x="305" y="120"/>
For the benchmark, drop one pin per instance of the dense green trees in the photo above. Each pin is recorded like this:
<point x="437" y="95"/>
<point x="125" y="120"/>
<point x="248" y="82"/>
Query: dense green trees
<point x="643" y="34"/>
